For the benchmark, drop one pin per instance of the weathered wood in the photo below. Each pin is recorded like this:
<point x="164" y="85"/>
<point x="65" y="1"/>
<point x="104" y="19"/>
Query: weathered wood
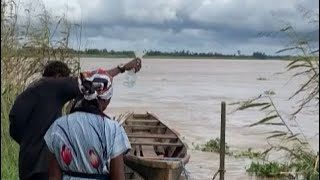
<point x="160" y="136"/>
<point x="154" y="141"/>
<point x="142" y="121"/>
<point x="156" y="144"/>
<point x="138" y="150"/>
<point x="136" y="116"/>
<point x="153" y="169"/>
<point x="148" y="151"/>
<point x="132" y="175"/>
<point x="143" y="127"/>
<point x="222" y="140"/>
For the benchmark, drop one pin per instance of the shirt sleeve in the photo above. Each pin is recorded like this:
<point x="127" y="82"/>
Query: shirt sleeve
<point x="67" y="88"/>
<point x="121" y="143"/>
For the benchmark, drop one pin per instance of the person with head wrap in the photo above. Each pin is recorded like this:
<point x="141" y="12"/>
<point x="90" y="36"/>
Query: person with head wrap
<point x="38" y="106"/>
<point x="84" y="141"/>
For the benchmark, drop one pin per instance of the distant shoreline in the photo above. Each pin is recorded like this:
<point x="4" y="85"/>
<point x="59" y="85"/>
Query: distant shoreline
<point x="181" y="57"/>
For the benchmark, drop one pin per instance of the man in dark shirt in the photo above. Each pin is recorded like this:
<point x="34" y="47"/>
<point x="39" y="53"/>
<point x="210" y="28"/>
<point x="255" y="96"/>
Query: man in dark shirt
<point x="38" y="107"/>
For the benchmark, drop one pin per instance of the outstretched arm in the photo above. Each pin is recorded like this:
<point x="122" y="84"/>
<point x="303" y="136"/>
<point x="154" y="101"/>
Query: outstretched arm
<point x="133" y="64"/>
<point x="69" y="86"/>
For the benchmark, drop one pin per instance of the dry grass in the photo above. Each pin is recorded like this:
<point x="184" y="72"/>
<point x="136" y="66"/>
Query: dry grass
<point x="25" y="49"/>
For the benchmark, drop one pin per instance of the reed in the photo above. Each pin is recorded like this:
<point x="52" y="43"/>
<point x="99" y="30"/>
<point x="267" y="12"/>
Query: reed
<point x="26" y="46"/>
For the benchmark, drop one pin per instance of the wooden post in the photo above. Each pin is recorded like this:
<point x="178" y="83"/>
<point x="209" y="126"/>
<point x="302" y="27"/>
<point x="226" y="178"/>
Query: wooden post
<point x="222" y="140"/>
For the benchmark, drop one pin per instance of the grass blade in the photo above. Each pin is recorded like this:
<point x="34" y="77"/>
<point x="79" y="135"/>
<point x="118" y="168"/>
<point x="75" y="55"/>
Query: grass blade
<point x="265" y="107"/>
<point x="299" y="66"/>
<point x="277" y="135"/>
<point x="252" y="105"/>
<point x="274" y="124"/>
<point x="277" y="132"/>
<point x="264" y="120"/>
<point x="293" y="136"/>
<point x="266" y="151"/>
<point x="286" y="49"/>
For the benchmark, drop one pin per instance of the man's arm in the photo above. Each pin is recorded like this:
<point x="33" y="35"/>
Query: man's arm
<point x="113" y="72"/>
<point x="133" y="64"/>
<point x="69" y="86"/>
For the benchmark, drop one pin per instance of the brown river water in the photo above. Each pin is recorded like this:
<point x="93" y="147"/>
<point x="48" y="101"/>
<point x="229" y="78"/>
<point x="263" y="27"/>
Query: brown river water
<point x="186" y="95"/>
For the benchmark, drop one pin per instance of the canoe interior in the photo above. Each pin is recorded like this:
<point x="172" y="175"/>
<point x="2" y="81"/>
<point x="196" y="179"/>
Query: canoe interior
<point x="151" y="139"/>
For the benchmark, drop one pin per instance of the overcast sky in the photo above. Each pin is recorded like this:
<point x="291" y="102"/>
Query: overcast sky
<point x="197" y="25"/>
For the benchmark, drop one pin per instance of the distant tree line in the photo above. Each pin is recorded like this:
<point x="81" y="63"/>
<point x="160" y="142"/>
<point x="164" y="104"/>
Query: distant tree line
<point x="182" y="53"/>
<point x="156" y="53"/>
<point x="105" y="52"/>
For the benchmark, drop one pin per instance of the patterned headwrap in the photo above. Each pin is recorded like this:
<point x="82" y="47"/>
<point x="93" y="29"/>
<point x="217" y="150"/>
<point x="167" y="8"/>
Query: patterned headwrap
<point x="96" y="84"/>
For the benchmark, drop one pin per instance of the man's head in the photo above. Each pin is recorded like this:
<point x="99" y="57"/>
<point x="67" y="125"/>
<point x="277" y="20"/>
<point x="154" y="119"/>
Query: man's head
<point x="56" y="69"/>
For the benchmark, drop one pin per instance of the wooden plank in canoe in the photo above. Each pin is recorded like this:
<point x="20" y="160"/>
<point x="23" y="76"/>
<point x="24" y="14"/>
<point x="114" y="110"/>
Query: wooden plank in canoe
<point x="156" y="144"/>
<point x="138" y="150"/>
<point x="142" y="121"/>
<point x="141" y="116"/>
<point x="147" y="126"/>
<point x="160" y="136"/>
<point x="148" y="151"/>
<point x="143" y="127"/>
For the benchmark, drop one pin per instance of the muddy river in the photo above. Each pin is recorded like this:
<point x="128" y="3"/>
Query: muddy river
<point x="187" y="94"/>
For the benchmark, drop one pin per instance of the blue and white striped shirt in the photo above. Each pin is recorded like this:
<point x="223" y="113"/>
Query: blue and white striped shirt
<point x="85" y="142"/>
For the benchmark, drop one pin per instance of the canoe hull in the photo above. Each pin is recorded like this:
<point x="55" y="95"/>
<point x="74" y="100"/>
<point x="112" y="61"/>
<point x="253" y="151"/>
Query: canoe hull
<point x="130" y="174"/>
<point x="158" y="152"/>
<point x="150" y="173"/>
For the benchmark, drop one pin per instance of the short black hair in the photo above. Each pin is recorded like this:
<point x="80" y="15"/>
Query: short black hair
<point x="54" y="68"/>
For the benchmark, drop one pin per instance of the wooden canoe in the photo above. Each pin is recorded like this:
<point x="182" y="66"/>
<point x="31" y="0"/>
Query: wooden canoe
<point x="132" y="175"/>
<point x="158" y="152"/>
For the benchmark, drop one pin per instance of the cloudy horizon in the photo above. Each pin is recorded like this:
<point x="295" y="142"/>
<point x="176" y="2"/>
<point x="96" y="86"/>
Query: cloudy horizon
<point x="223" y="26"/>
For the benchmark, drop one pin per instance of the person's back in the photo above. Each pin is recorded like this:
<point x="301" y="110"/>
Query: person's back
<point x="42" y="103"/>
<point x="32" y="113"/>
<point x="84" y="142"/>
<point x="35" y="109"/>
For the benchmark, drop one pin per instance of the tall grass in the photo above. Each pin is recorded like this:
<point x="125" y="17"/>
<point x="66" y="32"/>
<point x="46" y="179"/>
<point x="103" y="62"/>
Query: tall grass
<point x="301" y="159"/>
<point x="26" y="46"/>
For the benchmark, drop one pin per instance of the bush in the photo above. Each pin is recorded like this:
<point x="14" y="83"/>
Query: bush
<point x="213" y="145"/>
<point x="266" y="169"/>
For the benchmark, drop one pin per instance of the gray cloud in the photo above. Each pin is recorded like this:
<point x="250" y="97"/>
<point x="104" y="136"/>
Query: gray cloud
<point x="197" y="25"/>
